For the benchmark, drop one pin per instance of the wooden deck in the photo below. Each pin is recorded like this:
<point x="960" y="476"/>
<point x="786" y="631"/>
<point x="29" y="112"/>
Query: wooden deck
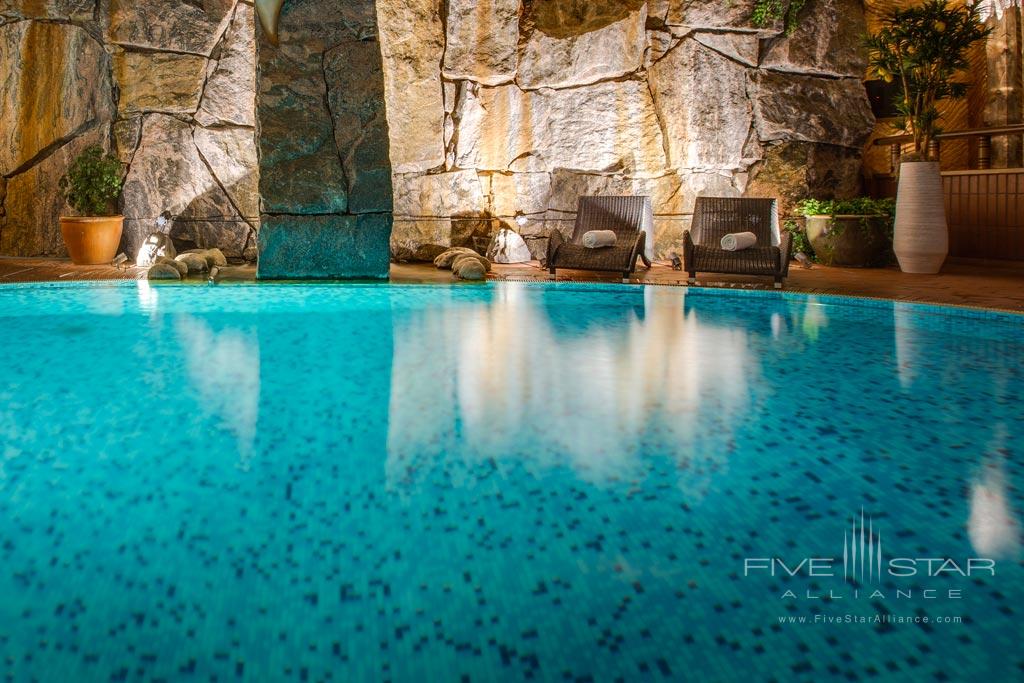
<point x="984" y="285"/>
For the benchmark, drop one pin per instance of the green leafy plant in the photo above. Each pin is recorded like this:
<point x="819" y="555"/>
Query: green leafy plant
<point x="767" y="12"/>
<point x="925" y="49"/>
<point x="93" y="183"/>
<point x="798" y="237"/>
<point x="876" y="221"/>
<point x="859" y="206"/>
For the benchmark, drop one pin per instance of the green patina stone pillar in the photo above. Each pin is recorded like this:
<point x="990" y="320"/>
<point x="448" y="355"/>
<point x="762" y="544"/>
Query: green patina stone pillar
<point x="325" y="173"/>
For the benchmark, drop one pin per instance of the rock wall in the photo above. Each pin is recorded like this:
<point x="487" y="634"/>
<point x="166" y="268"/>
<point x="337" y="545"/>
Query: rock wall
<point x="325" y="175"/>
<point x="503" y="113"/>
<point x="499" y="113"/>
<point x="166" y="85"/>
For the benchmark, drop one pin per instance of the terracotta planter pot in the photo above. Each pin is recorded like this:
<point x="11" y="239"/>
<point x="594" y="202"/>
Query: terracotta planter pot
<point x="91" y="240"/>
<point x="921" y="238"/>
<point x="854" y="241"/>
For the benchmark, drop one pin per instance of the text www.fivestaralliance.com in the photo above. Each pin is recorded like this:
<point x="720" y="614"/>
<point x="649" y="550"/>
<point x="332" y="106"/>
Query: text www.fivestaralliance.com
<point x="874" y="619"/>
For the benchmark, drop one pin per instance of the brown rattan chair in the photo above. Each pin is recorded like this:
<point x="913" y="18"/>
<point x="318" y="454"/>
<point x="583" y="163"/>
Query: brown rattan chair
<point x="714" y="217"/>
<point x="627" y="217"/>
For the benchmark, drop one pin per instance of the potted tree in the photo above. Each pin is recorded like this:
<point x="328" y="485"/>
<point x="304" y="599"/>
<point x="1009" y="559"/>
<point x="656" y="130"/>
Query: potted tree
<point x="849" y="232"/>
<point x="92" y="185"/>
<point x="923" y="49"/>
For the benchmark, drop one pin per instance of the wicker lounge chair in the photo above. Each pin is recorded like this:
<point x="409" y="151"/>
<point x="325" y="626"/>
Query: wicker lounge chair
<point x="629" y="217"/>
<point x="714" y="217"/>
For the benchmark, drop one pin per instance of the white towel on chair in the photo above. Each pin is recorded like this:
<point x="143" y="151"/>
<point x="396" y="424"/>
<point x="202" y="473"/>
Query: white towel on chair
<point x="595" y="239"/>
<point x="736" y="241"/>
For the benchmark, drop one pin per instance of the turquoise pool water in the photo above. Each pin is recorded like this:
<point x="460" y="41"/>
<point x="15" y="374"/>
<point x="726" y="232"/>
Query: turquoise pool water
<point x="504" y="482"/>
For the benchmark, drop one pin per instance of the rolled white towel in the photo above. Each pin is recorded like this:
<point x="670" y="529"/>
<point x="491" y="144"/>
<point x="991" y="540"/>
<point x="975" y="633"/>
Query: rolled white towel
<point x="595" y="239"/>
<point x="735" y="241"/>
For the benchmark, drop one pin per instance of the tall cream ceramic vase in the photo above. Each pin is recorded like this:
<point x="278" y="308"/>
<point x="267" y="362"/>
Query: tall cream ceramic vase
<point x="920" y="236"/>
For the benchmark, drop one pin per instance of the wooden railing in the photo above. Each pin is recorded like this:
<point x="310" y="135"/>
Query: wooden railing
<point x="983" y="151"/>
<point x="984" y="206"/>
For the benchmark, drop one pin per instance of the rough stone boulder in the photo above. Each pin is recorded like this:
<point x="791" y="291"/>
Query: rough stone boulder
<point x="179" y="266"/>
<point x="214" y="257"/>
<point x="469" y="268"/>
<point x="837" y="51"/>
<point x="158" y="82"/>
<point x="447" y="258"/>
<point x="171" y="25"/>
<point x="162" y="271"/>
<point x="195" y="263"/>
<point x="827" y="110"/>
<point x="170" y="185"/>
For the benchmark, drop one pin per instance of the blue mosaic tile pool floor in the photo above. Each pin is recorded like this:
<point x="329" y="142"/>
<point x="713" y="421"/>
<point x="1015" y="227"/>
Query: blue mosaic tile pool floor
<point x="504" y="482"/>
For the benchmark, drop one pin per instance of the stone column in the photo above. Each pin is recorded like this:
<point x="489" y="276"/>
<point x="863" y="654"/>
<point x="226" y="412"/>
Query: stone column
<point x="1005" y="102"/>
<point x="325" y="173"/>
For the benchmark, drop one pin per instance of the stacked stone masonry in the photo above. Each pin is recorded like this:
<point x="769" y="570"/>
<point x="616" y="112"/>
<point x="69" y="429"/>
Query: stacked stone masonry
<point x="496" y="111"/>
<point x="167" y="86"/>
<point x="522" y="107"/>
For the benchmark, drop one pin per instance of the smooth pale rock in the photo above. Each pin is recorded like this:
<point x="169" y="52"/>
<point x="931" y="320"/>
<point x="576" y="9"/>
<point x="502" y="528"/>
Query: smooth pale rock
<point x="836" y="51"/>
<point x="605" y="53"/>
<point x="196" y="263"/>
<point x="55" y="81"/>
<point x="169" y="183"/>
<point x="162" y="271"/>
<point x="459" y="193"/>
<point x="180" y="266"/>
<point x="360" y="123"/>
<point x="600" y="127"/>
<point x="229" y="97"/>
<point x="412" y="44"/>
<point x="153" y="248"/>
<point x="231" y="154"/>
<point x="184" y="27"/>
<point x="158" y="82"/>
<point x="445" y="259"/>
<point x="482" y="41"/>
<point x="468" y="268"/>
<point x="519" y="193"/>
<point x="706" y="126"/>
<point x="508" y="247"/>
<point x="34" y="202"/>
<point x="828" y="110"/>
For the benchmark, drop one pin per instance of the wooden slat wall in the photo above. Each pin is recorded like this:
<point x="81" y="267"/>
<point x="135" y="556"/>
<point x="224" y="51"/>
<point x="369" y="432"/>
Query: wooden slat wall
<point x="985" y="211"/>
